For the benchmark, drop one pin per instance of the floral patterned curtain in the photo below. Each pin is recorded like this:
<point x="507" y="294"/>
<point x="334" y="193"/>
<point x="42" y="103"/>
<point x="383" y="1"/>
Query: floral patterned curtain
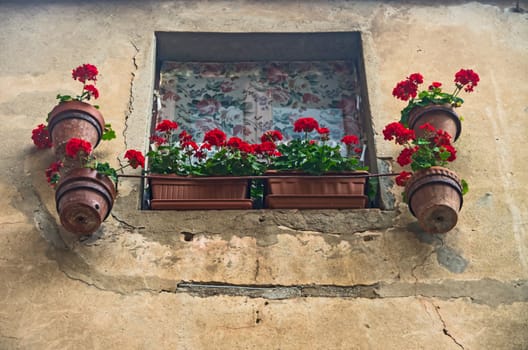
<point x="244" y="99"/>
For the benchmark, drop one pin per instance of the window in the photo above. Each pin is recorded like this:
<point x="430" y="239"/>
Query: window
<point x="247" y="83"/>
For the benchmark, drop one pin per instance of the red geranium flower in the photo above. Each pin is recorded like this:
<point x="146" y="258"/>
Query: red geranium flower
<point x="416" y="78"/>
<point x="158" y="140"/>
<point x="452" y="151"/>
<point x="85" y="72"/>
<point x="435" y="85"/>
<point x="323" y="131"/>
<point x="41" y="137"/>
<point x="246" y="147"/>
<point x="306" y="124"/>
<point x="427" y="127"/>
<point x="166" y="125"/>
<point x="77" y="147"/>
<point x="405" y="156"/>
<point x="135" y="158"/>
<point x="402" y="178"/>
<point x="215" y="137"/>
<point x="52" y="172"/>
<point x="266" y="147"/>
<point x="235" y="142"/>
<point x="467" y="77"/>
<point x="205" y="146"/>
<point x="350" y="140"/>
<point x="92" y="90"/>
<point x="190" y="144"/>
<point x="185" y="136"/>
<point x="398" y="132"/>
<point x="271" y="135"/>
<point x="442" y="138"/>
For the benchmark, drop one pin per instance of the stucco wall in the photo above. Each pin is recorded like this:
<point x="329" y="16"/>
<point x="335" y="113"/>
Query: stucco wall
<point x="265" y="279"/>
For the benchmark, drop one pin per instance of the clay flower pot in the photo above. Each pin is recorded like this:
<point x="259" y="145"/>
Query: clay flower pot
<point x="84" y="199"/>
<point x="434" y="197"/>
<point x="74" y="119"/>
<point x="440" y="116"/>
<point x="303" y="191"/>
<point x="182" y="192"/>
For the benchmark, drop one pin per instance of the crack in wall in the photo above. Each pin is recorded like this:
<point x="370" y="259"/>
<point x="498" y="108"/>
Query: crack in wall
<point x="444" y="326"/>
<point x="126" y="224"/>
<point x="370" y="291"/>
<point x="130" y="106"/>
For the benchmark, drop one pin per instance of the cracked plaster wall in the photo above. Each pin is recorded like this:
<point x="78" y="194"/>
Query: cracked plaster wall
<point x="265" y="279"/>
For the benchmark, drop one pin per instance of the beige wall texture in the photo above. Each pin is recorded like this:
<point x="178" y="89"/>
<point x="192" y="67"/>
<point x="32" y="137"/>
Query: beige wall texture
<point x="285" y="279"/>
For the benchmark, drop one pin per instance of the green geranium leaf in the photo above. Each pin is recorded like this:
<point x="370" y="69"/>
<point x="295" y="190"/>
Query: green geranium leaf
<point x="465" y="187"/>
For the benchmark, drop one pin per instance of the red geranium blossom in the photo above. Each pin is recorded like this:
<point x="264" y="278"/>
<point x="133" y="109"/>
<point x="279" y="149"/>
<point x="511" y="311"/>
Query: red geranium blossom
<point x="75" y="147"/>
<point x="452" y="151"/>
<point x="442" y="138"/>
<point x="135" y="158"/>
<point x="306" y="124"/>
<point x="190" y="144"/>
<point x="405" y="156"/>
<point x="323" y="131"/>
<point x="41" y="137"/>
<point x="398" y="132"/>
<point x="402" y="178"/>
<point x="158" y="140"/>
<point x="271" y="135"/>
<point x="235" y="142"/>
<point x="427" y="127"/>
<point x="205" y="146"/>
<point x="92" y="90"/>
<point x="52" y="172"/>
<point x="85" y="72"/>
<point x="408" y="88"/>
<point x="215" y="137"/>
<point x="467" y="77"/>
<point x="166" y="125"/>
<point x="185" y="136"/>
<point x="266" y="148"/>
<point x="350" y="140"/>
<point x="239" y="144"/>
<point x="416" y="78"/>
<point x="435" y="85"/>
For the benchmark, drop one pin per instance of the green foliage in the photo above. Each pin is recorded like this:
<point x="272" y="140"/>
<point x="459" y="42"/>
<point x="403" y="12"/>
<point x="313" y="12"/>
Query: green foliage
<point x="314" y="158"/>
<point x="465" y="187"/>
<point x="428" y="155"/>
<point x="232" y="162"/>
<point x="372" y="192"/>
<point x="108" y="133"/>
<point x="105" y="169"/>
<point x="222" y="162"/>
<point x="64" y="98"/>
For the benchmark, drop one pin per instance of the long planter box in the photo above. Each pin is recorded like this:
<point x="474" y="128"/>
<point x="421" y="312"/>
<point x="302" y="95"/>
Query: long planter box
<point x="316" y="192"/>
<point x="178" y="192"/>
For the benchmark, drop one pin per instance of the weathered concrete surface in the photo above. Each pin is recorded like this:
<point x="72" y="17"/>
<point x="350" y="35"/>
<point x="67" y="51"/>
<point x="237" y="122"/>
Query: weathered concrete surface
<point x="265" y="279"/>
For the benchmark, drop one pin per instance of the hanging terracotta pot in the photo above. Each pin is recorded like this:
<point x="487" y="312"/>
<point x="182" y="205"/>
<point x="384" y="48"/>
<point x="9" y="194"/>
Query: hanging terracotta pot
<point x="440" y="116"/>
<point x="74" y="119"/>
<point x="84" y="199"/>
<point x="303" y="191"/>
<point x="434" y="197"/>
<point x="183" y="192"/>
